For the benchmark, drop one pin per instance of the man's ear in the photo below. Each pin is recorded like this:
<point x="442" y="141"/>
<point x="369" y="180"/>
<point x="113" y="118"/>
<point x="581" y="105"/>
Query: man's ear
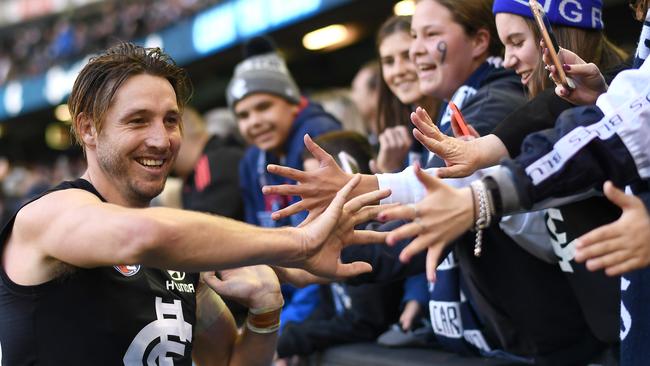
<point x="86" y="130"/>
<point x="480" y="43"/>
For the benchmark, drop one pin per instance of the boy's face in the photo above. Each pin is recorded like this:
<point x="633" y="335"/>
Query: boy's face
<point x="265" y="120"/>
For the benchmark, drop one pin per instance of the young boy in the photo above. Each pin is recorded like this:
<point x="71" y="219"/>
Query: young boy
<point x="273" y="117"/>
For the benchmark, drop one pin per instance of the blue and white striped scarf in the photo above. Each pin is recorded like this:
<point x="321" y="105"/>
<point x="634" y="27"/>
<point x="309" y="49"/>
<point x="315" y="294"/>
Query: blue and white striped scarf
<point x="643" y="48"/>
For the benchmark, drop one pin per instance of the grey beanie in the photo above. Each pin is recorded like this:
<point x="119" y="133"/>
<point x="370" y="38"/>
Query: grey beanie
<point x="265" y="73"/>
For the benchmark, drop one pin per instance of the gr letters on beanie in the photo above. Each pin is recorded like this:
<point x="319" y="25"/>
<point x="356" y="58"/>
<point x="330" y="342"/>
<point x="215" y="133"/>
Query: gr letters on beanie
<point x="587" y="14"/>
<point x="266" y="73"/>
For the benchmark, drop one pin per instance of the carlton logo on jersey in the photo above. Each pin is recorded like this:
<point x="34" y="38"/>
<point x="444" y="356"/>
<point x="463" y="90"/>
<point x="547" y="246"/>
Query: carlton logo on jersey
<point x="164" y="337"/>
<point x="128" y="270"/>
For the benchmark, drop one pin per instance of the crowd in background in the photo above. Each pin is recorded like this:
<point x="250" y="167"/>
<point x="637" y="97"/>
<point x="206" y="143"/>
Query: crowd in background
<point x="31" y="47"/>
<point x="21" y="181"/>
<point x="517" y="304"/>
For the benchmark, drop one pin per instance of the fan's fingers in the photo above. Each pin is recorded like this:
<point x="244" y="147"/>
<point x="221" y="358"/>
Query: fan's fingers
<point x="287" y="172"/>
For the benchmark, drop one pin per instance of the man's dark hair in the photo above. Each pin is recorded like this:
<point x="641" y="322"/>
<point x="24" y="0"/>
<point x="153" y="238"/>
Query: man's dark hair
<point x="97" y="83"/>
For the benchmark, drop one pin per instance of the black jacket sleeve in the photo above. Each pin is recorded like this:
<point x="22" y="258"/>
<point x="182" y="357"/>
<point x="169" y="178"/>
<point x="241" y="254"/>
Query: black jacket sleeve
<point x="587" y="169"/>
<point x="538" y="114"/>
<point x="485" y="109"/>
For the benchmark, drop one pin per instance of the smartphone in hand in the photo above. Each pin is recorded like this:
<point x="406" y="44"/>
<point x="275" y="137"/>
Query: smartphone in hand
<point x="544" y="26"/>
<point x="459" y="119"/>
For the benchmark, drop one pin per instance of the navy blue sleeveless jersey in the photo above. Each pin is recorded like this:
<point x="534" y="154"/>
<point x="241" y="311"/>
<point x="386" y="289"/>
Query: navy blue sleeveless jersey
<point x="128" y="314"/>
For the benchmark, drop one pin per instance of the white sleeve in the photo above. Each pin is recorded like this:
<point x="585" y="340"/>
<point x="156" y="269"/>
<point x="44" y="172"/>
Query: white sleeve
<point x="635" y="132"/>
<point x="406" y="188"/>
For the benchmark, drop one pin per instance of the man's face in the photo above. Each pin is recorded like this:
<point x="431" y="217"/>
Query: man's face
<point x="265" y="120"/>
<point x="140" y="138"/>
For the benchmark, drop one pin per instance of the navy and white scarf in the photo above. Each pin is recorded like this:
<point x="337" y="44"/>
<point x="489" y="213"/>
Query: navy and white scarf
<point x="643" y="48"/>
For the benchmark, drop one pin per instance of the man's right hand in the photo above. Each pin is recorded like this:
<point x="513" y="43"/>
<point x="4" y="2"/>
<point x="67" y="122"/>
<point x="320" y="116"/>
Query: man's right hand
<point x="325" y="236"/>
<point x="317" y="188"/>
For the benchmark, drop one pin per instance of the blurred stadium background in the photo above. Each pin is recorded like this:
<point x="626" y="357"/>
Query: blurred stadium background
<point x="43" y="43"/>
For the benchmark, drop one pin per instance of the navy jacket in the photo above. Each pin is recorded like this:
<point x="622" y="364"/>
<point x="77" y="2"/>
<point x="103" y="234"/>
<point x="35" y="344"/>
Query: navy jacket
<point x="312" y="120"/>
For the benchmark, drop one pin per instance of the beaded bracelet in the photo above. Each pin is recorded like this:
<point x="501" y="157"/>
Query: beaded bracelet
<point x="483" y="216"/>
<point x="263" y="321"/>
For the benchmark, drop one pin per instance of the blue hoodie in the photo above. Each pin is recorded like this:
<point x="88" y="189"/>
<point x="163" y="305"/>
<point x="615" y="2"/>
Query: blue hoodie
<point x="312" y="120"/>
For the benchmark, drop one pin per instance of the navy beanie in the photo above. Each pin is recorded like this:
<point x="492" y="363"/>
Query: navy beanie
<point x="585" y="14"/>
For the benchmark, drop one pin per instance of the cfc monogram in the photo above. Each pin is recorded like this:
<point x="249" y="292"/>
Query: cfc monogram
<point x="170" y="323"/>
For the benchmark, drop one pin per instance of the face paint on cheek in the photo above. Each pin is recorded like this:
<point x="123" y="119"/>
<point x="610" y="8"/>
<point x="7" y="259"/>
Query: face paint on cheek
<point x="442" y="48"/>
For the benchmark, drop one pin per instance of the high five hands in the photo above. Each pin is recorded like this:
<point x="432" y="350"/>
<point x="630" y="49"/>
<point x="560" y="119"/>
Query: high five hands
<point x="326" y="235"/>
<point x="443" y="215"/>
<point x="316" y="189"/>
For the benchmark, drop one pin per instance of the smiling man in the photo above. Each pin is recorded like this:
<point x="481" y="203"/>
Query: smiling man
<point x="90" y="275"/>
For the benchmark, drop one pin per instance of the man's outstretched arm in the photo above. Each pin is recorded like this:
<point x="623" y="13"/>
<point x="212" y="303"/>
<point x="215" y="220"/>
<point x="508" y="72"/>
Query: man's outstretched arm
<point x="84" y="232"/>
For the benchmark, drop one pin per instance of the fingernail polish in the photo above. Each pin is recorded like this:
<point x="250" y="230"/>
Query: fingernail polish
<point x="566" y="67"/>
